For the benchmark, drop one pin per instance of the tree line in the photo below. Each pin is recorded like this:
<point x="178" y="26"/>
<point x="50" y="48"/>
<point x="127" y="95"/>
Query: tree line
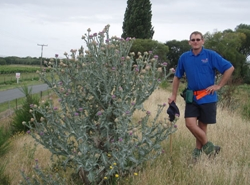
<point x="233" y="45"/>
<point x="10" y="60"/>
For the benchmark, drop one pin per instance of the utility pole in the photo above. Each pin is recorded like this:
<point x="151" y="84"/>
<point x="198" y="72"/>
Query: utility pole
<point x="42" y="45"/>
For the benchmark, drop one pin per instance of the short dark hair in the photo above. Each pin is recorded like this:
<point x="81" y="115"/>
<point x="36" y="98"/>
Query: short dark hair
<point x="196" y="33"/>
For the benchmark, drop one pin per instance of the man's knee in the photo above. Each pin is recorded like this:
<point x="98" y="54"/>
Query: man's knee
<point x="203" y="126"/>
<point x="191" y="123"/>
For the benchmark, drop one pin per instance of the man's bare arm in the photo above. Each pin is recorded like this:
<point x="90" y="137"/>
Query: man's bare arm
<point x="176" y="82"/>
<point x="227" y="74"/>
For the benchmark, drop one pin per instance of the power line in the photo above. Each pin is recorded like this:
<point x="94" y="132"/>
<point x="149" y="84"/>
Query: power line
<point x="42" y="45"/>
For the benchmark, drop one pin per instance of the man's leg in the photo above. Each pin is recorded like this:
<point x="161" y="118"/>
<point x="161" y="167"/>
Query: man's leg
<point x="208" y="115"/>
<point x="199" y="131"/>
<point x="203" y="127"/>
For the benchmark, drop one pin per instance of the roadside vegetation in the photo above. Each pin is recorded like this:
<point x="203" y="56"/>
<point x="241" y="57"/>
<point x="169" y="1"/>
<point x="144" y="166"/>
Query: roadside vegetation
<point x="173" y="166"/>
<point x="231" y="166"/>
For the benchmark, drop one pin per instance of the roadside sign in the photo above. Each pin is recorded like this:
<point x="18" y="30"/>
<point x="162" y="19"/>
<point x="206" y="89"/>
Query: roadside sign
<point x="18" y="75"/>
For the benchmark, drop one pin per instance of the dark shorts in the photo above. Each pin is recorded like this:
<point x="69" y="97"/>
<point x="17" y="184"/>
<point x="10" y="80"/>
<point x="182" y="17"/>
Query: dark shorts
<point x="206" y="113"/>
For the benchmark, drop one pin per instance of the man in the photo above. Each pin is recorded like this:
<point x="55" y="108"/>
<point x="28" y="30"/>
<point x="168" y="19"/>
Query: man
<point x="200" y="65"/>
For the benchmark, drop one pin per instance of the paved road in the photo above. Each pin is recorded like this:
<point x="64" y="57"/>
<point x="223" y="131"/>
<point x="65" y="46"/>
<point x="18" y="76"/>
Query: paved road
<point x="12" y="94"/>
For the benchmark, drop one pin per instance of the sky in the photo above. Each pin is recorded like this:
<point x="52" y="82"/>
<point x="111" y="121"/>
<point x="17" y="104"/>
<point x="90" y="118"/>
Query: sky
<point x="60" y="24"/>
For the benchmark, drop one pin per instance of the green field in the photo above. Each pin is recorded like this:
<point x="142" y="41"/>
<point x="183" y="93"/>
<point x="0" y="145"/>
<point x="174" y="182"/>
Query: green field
<point x="9" y="81"/>
<point x="28" y="76"/>
<point x="12" y="69"/>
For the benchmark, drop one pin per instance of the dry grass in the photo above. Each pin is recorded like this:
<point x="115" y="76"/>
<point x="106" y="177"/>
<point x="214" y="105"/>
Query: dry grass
<point x="231" y="166"/>
<point x="22" y="156"/>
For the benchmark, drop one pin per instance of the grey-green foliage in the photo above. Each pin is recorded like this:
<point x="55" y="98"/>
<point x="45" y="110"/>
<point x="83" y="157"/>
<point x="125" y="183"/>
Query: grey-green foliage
<point x="41" y="178"/>
<point x="99" y="90"/>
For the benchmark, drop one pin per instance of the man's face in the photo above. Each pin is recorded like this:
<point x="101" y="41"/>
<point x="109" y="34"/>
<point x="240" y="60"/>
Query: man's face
<point x="196" y="42"/>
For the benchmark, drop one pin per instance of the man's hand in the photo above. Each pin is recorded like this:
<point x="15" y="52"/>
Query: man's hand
<point x="213" y="88"/>
<point x="227" y="74"/>
<point x="171" y="98"/>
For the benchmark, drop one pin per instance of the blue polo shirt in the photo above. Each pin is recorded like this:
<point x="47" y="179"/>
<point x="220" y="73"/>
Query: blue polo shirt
<point x="200" y="71"/>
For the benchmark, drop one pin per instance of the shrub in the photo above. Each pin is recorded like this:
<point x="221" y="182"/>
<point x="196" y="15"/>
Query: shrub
<point x="99" y="90"/>
<point x="226" y="95"/>
<point x="24" y="113"/>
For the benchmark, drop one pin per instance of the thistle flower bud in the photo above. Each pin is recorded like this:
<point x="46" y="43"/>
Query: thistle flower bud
<point x="172" y="70"/>
<point x="152" y="60"/>
<point x="165" y="125"/>
<point x="159" y="70"/>
<point x="148" y="67"/>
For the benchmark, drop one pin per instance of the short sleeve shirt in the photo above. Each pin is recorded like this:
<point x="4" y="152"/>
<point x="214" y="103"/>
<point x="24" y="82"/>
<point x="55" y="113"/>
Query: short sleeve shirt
<point x="200" y="71"/>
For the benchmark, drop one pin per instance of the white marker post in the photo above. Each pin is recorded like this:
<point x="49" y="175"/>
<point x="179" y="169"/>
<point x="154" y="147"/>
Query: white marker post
<point x="17" y="77"/>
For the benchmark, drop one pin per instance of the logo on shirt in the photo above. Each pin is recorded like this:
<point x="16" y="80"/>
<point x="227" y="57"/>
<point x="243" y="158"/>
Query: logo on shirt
<point x="204" y="60"/>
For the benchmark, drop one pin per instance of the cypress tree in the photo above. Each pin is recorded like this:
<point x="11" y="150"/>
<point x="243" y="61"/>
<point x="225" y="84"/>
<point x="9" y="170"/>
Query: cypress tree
<point x="137" y="20"/>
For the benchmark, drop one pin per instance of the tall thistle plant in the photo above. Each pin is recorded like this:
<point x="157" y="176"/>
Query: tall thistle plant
<point x="99" y="89"/>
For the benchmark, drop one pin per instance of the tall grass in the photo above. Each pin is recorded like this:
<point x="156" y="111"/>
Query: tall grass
<point x="173" y="167"/>
<point x="4" y="148"/>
